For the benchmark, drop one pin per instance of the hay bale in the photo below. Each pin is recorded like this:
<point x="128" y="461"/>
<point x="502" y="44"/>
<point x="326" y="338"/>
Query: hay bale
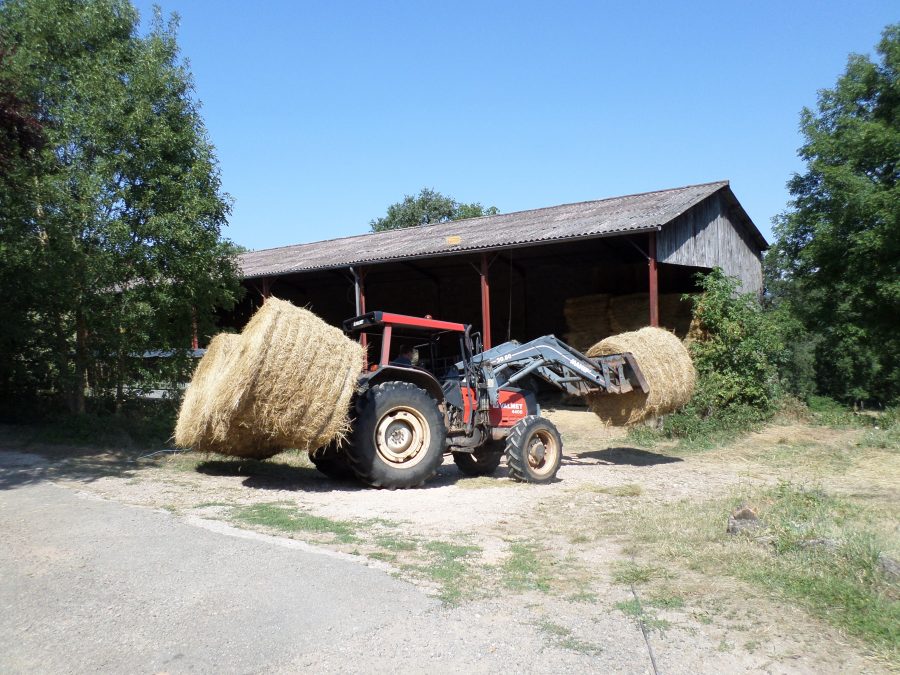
<point x="288" y="384"/>
<point x="667" y="368"/>
<point x="194" y="414"/>
<point x="193" y="429"/>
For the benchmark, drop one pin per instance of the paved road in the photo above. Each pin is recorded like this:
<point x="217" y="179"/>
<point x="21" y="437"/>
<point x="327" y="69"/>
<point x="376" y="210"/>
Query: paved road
<point x="95" y="586"/>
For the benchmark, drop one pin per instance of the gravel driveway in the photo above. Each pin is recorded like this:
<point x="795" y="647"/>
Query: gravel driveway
<point x="89" y="585"/>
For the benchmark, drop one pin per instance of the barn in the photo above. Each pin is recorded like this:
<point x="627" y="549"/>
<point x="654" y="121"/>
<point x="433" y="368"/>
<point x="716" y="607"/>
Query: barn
<point x="576" y="270"/>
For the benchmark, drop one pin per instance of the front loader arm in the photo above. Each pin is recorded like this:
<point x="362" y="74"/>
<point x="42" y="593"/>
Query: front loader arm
<point x="562" y="366"/>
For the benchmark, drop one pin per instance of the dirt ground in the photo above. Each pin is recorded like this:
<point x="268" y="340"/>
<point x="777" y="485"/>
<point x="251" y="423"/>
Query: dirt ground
<point x="552" y="554"/>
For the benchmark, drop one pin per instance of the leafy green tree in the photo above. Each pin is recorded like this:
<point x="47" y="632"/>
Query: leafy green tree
<point x="427" y="208"/>
<point x="836" y="261"/>
<point x="21" y="138"/>
<point x="122" y="236"/>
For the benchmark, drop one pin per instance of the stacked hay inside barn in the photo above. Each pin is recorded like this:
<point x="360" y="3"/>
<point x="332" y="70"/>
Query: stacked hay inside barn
<point x="667" y="369"/>
<point x="287" y="383"/>
<point x="593" y="317"/>
<point x="587" y="320"/>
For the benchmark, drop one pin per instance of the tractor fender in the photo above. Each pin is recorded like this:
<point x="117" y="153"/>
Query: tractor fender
<point x="417" y="376"/>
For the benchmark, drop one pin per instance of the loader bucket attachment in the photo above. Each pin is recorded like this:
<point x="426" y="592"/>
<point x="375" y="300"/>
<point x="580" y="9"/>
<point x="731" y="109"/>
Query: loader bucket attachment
<point x="622" y="373"/>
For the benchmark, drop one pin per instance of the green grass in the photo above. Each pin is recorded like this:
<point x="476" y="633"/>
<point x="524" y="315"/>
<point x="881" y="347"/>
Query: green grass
<point x="831" y="413"/>
<point x="631" y="573"/>
<point x="584" y="596"/>
<point x="839" y="581"/>
<point x="692" y="432"/>
<point x="885" y="433"/>
<point x="525" y="568"/>
<point x="627" y="490"/>
<point x="449" y="568"/>
<point x="632" y="608"/>
<point x="392" y="542"/>
<point x="562" y="637"/>
<point x="289" y="519"/>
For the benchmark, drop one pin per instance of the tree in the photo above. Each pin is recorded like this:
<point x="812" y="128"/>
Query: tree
<point x="21" y="138"/>
<point x="836" y="261"/>
<point x="427" y="208"/>
<point x="122" y="243"/>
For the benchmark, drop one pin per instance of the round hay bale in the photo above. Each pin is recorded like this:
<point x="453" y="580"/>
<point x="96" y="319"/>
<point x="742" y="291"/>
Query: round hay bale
<point x="194" y="414"/>
<point x="667" y="368"/>
<point x="288" y="384"/>
<point x="193" y="429"/>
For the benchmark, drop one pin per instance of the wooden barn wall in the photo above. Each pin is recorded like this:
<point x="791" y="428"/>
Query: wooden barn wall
<point x="706" y="236"/>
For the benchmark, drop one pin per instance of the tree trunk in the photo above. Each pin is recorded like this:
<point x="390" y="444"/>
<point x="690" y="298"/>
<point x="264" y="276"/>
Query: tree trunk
<point x="120" y="381"/>
<point x="77" y="402"/>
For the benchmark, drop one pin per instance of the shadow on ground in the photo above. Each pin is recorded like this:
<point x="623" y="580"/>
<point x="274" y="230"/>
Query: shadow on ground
<point x="619" y="456"/>
<point x="35" y="464"/>
<point x="265" y="475"/>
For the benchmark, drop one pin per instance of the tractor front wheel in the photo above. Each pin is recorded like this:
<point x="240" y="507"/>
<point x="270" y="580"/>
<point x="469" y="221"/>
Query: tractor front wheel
<point x="399" y="437"/>
<point x="533" y="450"/>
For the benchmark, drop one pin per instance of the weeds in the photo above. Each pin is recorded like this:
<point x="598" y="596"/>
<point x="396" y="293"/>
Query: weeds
<point x="524" y="569"/>
<point x="631" y="573"/>
<point x="448" y="568"/>
<point x="633" y="609"/>
<point x="394" y="543"/>
<point x="289" y="519"/>
<point x="562" y="637"/>
<point x="822" y="551"/>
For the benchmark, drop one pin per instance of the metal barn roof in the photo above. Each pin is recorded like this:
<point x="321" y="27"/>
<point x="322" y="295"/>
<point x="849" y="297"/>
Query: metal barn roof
<point x="605" y="217"/>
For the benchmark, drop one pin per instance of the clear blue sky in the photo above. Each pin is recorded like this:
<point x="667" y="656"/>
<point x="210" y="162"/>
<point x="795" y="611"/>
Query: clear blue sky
<point x="323" y="113"/>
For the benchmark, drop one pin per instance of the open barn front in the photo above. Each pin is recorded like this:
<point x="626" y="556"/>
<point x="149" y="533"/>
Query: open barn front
<point x="580" y="291"/>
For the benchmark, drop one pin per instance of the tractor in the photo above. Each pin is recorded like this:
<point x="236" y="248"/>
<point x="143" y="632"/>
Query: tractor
<point x="478" y="405"/>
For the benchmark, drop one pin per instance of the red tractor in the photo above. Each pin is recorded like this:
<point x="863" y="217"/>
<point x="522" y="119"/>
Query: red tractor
<point x="454" y="397"/>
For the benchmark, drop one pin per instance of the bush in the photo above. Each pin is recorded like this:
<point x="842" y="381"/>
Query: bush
<point x="738" y="351"/>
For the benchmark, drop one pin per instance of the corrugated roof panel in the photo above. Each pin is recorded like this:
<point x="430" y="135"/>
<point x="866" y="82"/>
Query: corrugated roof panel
<point x="568" y="221"/>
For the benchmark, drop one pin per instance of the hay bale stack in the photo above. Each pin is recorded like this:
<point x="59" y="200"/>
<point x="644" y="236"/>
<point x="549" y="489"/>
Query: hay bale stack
<point x="667" y="368"/>
<point x="587" y="318"/>
<point x="593" y="317"/>
<point x="630" y="312"/>
<point x="288" y="384"/>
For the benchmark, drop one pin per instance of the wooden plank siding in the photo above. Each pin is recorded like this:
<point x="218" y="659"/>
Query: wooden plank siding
<point x="710" y="234"/>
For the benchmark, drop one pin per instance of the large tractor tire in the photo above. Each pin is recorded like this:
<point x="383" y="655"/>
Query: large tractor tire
<point x="533" y="450"/>
<point x="482" y="462"/>
<point x="332" y="461"/>
<point x="399" y="437"/>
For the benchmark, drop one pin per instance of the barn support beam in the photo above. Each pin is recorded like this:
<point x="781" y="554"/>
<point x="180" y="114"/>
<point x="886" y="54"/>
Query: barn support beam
<point x="654" y="280"/>
<point x="359" y="283"/>
<point x="485" y="302"/>
<point x="265" y="288"/>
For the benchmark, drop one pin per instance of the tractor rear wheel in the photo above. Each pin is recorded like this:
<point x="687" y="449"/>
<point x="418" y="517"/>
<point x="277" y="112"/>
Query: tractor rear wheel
<point x="332" y="461"/>
<point x="533" y="450"/>
<point x="482" y="462"/>
<point x="399" y="437"/>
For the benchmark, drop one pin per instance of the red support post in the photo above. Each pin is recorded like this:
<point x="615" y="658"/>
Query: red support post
<point x="386" y="345"/>
<point x="654" y="281"/>
<point x="485" y="303"/>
